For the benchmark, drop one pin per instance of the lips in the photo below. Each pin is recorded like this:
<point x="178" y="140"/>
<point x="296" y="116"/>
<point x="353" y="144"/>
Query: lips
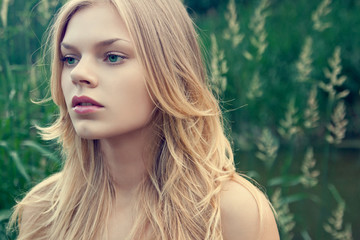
<point x="84" y="101"/>
<point x="84" y="105"/>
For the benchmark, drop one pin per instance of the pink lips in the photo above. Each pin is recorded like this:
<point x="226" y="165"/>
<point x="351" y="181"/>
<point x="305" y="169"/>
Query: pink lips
<point x="85" y="105"/>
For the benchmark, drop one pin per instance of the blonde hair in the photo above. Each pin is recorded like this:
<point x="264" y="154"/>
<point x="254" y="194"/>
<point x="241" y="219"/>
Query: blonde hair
<point x="192" y="157"/>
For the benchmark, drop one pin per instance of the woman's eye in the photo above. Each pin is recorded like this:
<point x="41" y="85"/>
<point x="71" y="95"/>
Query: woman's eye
<point x="113" y="58"/>
<point x="69" y="60"/>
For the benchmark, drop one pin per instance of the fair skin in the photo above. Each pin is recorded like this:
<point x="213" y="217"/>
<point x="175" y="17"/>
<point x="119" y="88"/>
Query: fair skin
<point x="108" y="72"/>
<point x="100" y="63"/>
<point x="240" y="215"/>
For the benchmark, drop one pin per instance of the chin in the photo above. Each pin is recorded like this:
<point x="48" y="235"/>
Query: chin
<point x="86" y="134"/>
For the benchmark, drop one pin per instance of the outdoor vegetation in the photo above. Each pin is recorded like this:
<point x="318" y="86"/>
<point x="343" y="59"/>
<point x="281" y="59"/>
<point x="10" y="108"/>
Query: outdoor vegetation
<point x="287" y="74"/>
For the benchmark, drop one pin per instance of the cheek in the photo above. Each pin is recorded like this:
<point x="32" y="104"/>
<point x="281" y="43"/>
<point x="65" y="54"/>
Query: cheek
<point x="131" y="100"/>
<point x="130" y="88"/>
<point x="65" y="89"/>
<point x="135" y="97"/>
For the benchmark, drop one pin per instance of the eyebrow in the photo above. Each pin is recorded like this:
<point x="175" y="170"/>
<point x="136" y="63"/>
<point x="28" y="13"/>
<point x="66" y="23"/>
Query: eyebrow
<point x="104" y="43"/>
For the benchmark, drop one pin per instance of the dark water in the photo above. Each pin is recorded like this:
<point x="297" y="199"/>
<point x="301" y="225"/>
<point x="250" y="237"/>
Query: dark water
<point x="343" y="173"/>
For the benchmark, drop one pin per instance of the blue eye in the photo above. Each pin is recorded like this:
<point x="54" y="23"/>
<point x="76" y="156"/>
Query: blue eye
<point x="69" y="60"/>
<point x="113" y="58"/>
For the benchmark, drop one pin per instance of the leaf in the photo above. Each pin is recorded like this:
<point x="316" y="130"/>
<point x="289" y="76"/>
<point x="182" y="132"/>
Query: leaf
<point x="253" y="174"/>
<point x="5" y="214"/>
<point x="4" y="145"/>
<point x="336" y="194"/>
<point x="19" y="165"/>
<point x="40" y="149"/>
<point x="248" y="55"/>
<point x="305" y="234"/>
<point x="285" y="181"/>
<point x="297" y="197"/>
<point x="343" y="94"/>
<point x="15" y="157"/>
<point x="4" y="12"/>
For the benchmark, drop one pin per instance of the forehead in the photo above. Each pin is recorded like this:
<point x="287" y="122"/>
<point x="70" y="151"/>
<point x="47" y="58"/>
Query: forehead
<point x="94" y="23"/>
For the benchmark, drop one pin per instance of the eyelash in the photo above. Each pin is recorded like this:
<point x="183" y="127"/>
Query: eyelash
<point x="65" y="59"/>
<point x="122" y="57"/>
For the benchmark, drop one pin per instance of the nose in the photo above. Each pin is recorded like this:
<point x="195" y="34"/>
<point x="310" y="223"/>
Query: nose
<point x="83" y="74"/>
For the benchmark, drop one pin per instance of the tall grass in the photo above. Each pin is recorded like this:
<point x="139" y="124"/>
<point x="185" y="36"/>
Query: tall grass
<point x="294" y="125"/>
<point x="24" y="158"/>
<point x="289" y="93"/>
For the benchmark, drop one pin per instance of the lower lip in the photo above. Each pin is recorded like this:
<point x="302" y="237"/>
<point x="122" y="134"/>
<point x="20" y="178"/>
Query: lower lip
<point x="86" y="109"/>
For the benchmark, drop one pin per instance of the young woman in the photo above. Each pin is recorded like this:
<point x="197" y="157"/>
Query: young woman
<point x="145" y="152"/>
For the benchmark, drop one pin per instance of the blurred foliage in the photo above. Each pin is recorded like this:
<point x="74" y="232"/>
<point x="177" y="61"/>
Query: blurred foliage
<point x="288" y="77"/>
<point x="292" y="104"/>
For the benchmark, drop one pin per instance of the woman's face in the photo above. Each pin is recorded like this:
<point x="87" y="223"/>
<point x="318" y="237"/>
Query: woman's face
<point x="102" y="81"/>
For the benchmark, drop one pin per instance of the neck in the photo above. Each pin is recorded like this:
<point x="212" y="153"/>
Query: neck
<point x="128" y="158"/>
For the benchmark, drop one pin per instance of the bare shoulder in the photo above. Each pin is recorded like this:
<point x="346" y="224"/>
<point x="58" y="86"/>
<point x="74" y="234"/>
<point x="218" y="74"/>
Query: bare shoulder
<point x="32" y="212"/>
<point x="246" y="212"/>
<point x="37" y="198"/>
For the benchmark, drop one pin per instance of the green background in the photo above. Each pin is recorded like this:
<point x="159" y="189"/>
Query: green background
<point x="264" y="97"/>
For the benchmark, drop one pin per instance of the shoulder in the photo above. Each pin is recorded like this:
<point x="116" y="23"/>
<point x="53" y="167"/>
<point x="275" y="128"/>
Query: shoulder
<point x="38" y="200"/>
<point x="246" y="212"/>
<point x="43" y="189"/>
<point x="32" y="211"/>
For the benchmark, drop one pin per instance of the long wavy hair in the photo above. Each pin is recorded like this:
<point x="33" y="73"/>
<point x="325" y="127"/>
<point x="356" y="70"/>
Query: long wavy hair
<point x="179" y="198"/>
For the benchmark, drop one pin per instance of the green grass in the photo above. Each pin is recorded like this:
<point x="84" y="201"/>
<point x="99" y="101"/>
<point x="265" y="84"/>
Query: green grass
<point x="272" y="102"/>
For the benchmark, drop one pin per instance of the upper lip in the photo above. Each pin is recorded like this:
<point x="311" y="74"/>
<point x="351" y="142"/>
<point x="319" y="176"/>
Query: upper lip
<point x="84" y="99"/>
